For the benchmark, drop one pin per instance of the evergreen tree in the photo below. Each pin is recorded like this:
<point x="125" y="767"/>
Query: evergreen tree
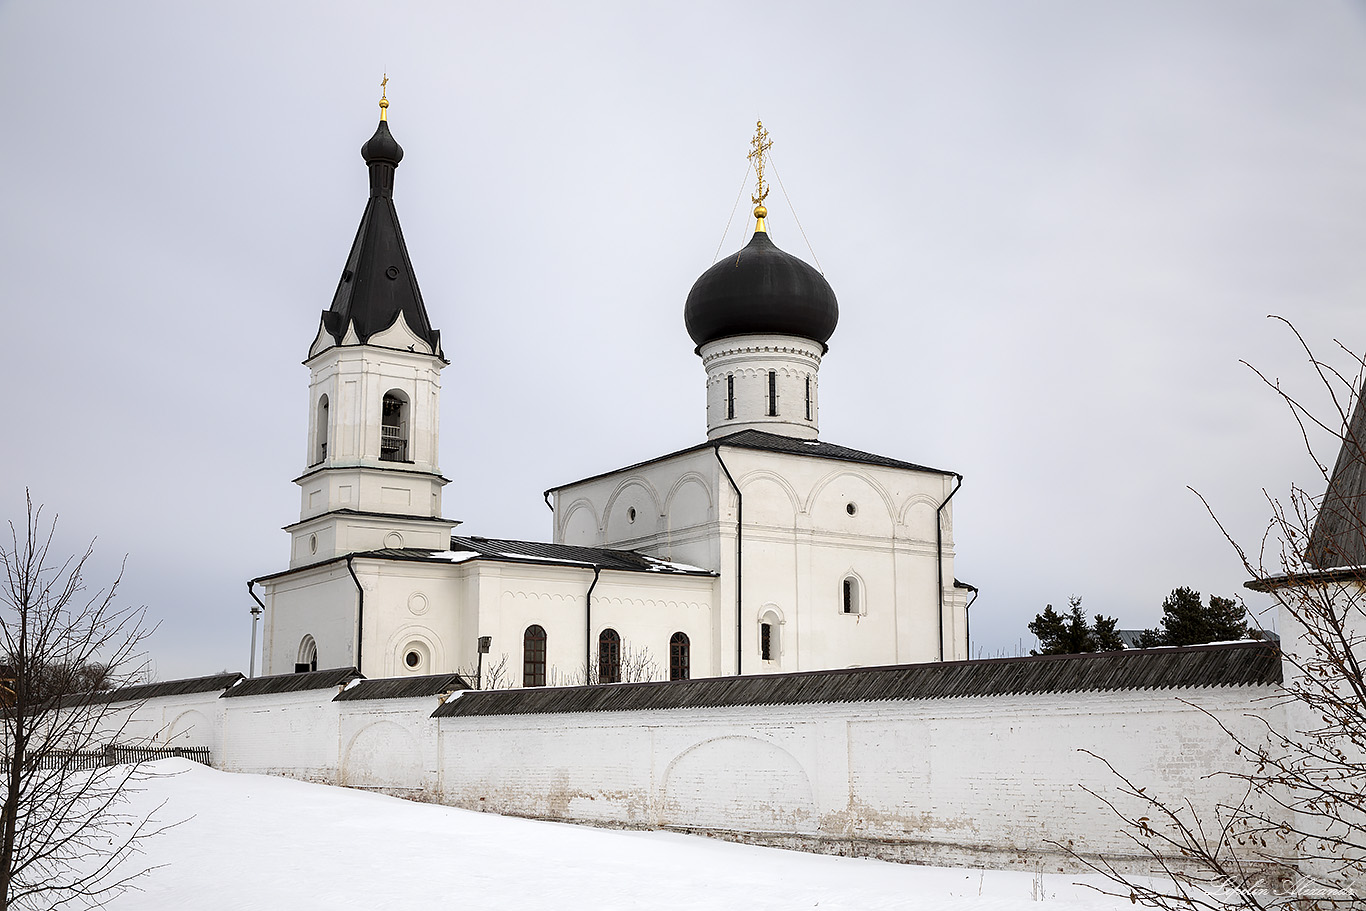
<point x="1186" y="621"/>
<point x="1149" y="638"/>
<point x="1107" y="639"/>
<point x="1070" y="633"/>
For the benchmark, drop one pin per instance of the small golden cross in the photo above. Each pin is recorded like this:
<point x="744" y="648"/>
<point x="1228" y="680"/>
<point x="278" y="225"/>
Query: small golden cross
<point x="761" y="144"/>
<point x="384" y="98"/>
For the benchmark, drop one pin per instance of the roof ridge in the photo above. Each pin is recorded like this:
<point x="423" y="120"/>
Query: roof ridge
<point x="1230" y="664"/>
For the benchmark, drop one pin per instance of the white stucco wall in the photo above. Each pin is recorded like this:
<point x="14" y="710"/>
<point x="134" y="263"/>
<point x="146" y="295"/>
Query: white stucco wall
<point x="389" y="745"/>
<point x="800" y="542"/>
<point x="320" y="602"/>
<point x="995" y="782"/>
<point x="986" y="781"/>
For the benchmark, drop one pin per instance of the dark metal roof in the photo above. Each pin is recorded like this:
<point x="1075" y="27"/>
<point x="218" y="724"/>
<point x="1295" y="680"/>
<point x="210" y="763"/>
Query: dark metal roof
<point x="174" y="687"/>
<point x="402" y="687"/>
<point x="366" y="514"/>
<point x="507" y="551"/>
<point x="1228" y="664"/>
<point x="761" y="289"/>
<point x="772" y="442"/>
<point x="293" y="683"/>
<point x="1339" y="534"/>
<point x="377" y="283"/>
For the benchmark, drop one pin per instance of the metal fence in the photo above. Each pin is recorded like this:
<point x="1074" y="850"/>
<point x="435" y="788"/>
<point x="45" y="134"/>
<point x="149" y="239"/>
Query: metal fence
<point x="113" y="754"/>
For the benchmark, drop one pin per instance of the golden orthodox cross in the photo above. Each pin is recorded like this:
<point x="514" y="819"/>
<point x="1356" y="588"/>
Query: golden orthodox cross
<point x="760" y="144"/>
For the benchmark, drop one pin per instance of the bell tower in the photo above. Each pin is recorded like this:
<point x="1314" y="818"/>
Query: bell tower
<point x="372" y="479"/>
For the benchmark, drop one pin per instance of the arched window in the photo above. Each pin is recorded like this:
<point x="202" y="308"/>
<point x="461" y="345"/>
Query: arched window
<point x="730" y="396"/>
<point x="393" y="439"/>
<point x="609" y="657"/>
<point x="533" y="656"/>
<point x="308" y="656"/>
<point x="680" y="662"/>
<point x="771" y="634"/>
<point x="849" y="596"/>
<point x="773" y="393"/>
<point x="323" y="428"/>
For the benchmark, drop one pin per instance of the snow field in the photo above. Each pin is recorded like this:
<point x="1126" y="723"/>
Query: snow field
<point x="257" y="842"/>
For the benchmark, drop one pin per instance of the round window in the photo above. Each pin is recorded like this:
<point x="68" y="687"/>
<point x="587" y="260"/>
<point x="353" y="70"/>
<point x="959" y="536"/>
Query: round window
<point x="851" y="509"/>
<point x="412" y="659"/>
<point x="631" y="514"/>
<point x="313" y="544"/>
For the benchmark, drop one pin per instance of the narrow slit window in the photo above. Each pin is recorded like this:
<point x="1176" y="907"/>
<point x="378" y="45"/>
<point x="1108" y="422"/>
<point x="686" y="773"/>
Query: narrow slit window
<point x="323" y="427"/>
<point x="730" y="396"/>
<point x="773" y="393"/>
<point x="808" y="398"/>
<point x="850" y="593"/>
<point x="766" y="641"/>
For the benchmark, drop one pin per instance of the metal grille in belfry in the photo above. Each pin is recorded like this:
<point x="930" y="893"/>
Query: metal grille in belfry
<point x="393" y="446"/>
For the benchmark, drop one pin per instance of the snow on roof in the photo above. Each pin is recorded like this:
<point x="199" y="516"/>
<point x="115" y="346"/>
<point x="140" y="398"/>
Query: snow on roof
<point x="464" y="549"/>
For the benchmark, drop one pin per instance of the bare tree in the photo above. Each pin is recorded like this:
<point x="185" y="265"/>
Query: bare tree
<point x="633" y="666"/>
<point x="489" y="675"/>
<point x="1297" y="835"/>
<point x="64" y="832"/>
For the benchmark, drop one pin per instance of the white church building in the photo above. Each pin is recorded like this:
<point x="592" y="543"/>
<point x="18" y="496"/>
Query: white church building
<point x="754" y="568"/>
<point x="761" y="549"/>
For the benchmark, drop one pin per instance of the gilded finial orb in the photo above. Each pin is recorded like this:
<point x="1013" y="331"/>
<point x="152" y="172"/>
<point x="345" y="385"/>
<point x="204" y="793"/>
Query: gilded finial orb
<point x="760" y="212"/>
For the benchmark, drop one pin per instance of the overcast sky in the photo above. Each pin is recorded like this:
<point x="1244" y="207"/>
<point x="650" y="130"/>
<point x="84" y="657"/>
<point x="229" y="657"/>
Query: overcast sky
<point x="1054" y="229"/>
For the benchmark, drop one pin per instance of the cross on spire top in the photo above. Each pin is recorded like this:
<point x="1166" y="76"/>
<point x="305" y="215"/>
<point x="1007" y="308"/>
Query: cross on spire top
<point x="759" y="147"/>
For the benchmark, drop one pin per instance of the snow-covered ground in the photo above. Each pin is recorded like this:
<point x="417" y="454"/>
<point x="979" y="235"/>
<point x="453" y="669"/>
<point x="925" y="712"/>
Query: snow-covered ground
<point x="252" y="841"/>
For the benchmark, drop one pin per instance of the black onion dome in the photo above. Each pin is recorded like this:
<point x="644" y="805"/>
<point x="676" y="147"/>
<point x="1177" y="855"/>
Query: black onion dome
<point x="382" y="146"/>
<point x="761" y="291"/>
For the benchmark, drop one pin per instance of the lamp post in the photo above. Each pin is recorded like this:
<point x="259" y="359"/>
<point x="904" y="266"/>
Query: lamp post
<point x="485" y="643"/>
<point x="251" y="663"/>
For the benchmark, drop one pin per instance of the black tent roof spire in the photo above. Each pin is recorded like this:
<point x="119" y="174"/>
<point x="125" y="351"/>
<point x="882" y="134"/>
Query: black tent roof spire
<point x="378" y="284"/>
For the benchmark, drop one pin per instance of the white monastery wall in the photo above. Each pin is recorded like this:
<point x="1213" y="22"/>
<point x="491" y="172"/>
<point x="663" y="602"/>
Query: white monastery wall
<point x="993" y="781"/>
<point x="295" y="735"/>
<point x="985" y="781"/>
<point x="389" y="745"/>
<point x="192" y="721"/>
